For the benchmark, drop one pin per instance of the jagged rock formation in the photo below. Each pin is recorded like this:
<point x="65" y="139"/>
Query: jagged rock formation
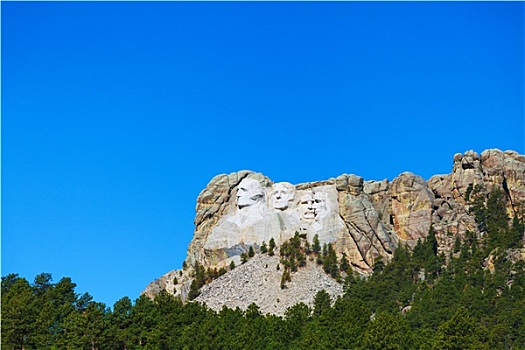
<point x="363" y="220"/>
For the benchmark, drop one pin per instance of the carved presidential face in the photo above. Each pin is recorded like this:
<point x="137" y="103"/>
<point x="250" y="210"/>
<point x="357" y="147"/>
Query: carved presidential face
<point x="282" y="194"/>
<point x="306" y="206"/>
<point x="249" y="192"/>
<point x="320" y="205"/>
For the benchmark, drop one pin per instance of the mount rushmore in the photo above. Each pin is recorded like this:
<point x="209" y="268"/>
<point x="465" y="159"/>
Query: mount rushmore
<point x="362" y="220"/>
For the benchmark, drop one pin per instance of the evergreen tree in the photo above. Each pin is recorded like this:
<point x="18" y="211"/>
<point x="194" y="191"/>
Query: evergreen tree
<point x="271" y="247"/>
<point x="319" y="260"/>
<point x="292" y="264"/>
<point x="307" y="248"/>
<point x="496" y="220"/>
<point x="286" y="277"/>
<point x="251" y="253"/>
<point x="200" y="275"/>
<point x="379" y="264"/>
<point x="194" y="290"/>
<point x="86" y="330"/>
<point x="144" y="320"/>
<point x="461" y="332"/>
<point x="244" y="258"/>
<point x="316" y="246"/>
<point x="425" y="255"/>
<point x="272" y="243"/>
<point x="330" y="262"/>
<point x="295" y="241"/>
<point x="296" y="319"/>
<point x="344" y="264"/>
<point x="264" y="248"/>
<point x="516" y="232"/>
<point x="17" y="312"/>
<point x="54" y="303"/>
<point x="322" y="302"/>
<point x="387" y="331"/>
<point x="120" y="322"/>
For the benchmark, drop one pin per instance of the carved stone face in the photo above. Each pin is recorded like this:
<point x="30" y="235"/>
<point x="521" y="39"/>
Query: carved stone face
<point x="249" y="192"/>
<point x="282" y="195"/>
<point x="320" y="205"/>
<point x="307" y="207"/>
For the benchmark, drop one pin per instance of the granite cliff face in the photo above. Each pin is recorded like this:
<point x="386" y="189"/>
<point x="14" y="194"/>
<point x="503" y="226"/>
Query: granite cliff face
<point x="363" y="220"/>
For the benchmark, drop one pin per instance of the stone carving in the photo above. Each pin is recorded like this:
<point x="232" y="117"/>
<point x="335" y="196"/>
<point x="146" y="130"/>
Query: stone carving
<point x="362" y="220"/>
<point x="261" y="214"/>
<point x="319" y="211"/>
<point x="282" y="194"/>
<point x="249" y="193"/>
<point x="321" y="206"/>
<point x="256" y="213"/>
<point x="251" y="222"/>
<point x="250" y="203"/>
<point x="307" y="207"/>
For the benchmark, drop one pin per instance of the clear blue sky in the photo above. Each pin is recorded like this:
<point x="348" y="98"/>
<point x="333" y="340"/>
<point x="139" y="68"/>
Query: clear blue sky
<point x="115" y="115"/>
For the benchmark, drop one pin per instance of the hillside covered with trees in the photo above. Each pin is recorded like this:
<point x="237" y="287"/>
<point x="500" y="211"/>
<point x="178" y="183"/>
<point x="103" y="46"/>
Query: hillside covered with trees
<point x="472" y="299"/>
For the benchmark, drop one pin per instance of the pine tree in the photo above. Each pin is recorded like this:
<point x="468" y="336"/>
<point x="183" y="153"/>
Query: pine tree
<point x="271" y="247"/>
<point x="293" y="264"/>
<point x="462" y="331"/>
<point x="330" y="262"/>
<point x="344" y="264"/>
<point x="322" y="302"/>
<point x="200" y="275"/>
<point x="316" y="247"/>
<point x="295" y="241"/>
<point x="251" y="253"/>
<point x="379" y="265"/>
<point x="516" y="233"/>
<point x="307" y="248"/>
<point x="385" y="332"/>
<point x="17" y="312"/>
<point x="286" y="277"/>
<point x="272" y="243"/>
<point x="264" y="248"/>
<point x="496" y="220"/>
<point x="194" y="290"/>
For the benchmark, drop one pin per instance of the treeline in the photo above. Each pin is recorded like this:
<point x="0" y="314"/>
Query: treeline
<point x="411" y="303"/>
<point x="474" y="301"/>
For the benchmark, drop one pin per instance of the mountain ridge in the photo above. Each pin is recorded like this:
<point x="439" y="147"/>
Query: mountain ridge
<point x="364" y="221"/>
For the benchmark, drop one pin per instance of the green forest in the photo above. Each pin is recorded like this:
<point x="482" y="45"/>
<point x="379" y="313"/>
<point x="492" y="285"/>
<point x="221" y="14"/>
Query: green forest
<point x="472" y="299"/>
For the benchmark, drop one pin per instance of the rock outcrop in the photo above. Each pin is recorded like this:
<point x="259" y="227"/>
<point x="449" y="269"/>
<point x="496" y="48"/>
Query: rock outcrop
<point x="362" y="220"/>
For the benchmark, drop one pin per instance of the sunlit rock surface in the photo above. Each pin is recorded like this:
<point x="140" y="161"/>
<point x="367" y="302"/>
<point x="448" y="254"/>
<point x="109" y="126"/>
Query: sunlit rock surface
<point x="363" y="220"/>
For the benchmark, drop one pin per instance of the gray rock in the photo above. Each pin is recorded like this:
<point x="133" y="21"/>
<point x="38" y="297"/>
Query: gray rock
<point x="363" y="220"/>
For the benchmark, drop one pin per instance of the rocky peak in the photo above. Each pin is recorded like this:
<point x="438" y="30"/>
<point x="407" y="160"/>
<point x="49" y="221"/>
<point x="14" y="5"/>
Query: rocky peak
<point x="362" y="220"/>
